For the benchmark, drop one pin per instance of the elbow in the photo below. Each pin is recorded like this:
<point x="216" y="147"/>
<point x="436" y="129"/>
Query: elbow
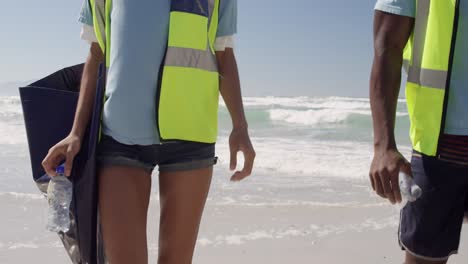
<point x="386" y="46"/>
<point x="226" y="61"/>
<point x="95" y="54"/>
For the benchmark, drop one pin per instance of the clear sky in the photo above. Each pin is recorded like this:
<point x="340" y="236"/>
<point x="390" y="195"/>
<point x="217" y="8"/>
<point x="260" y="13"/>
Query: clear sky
<point x="297" y="47"/>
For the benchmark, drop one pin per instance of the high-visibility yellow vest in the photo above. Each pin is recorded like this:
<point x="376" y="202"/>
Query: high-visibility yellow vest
<point x="188" y="93"/>
<point x="428" y="61"/>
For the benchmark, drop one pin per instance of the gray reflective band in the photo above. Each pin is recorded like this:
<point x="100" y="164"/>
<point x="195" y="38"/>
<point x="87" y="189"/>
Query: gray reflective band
<point x="200" y="59"/>
<point x="428" y="78"/>
<point x="416" y="74"/>
<point x="406" y="65"/>
<point x="193" y="58"/>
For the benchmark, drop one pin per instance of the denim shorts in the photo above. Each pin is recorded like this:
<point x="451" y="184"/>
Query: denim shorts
<point x="170" y="157"/>
<point x="430" y="227"/>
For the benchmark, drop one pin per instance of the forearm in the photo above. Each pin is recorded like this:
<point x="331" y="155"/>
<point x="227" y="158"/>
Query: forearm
<point x="87" y="91"/>
<point x="391" y="33"/>
<point x="230" y="88"/>
<point x="384" y="91"/>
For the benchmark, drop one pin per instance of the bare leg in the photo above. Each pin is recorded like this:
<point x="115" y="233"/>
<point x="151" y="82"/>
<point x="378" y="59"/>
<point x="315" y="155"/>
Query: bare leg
<point x="410" y="259"/>
<point x="183" y="196"/>
<point x="123" y="205"/>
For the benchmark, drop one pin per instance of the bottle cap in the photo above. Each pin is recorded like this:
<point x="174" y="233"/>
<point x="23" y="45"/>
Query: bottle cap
<point x="416" y="191"/>
<point x="60" y="169"/>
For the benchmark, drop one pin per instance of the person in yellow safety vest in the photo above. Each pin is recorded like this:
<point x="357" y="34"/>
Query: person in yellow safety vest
<point x="429" y="39"/>
<point x="167" y="61"/>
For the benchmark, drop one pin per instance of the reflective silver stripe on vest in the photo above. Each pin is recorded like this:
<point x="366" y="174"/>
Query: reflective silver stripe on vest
<point x="201" y="59"/>
<point x="416" y="74"/>
<point x="406" y="64"/>
<point x="428" y="78"/>
<point x="193" y="58"/>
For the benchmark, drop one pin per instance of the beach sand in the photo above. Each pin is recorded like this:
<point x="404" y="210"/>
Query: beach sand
<point x="233" y="232"/>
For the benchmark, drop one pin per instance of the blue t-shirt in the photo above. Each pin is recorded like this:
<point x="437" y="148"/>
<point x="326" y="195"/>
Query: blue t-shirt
<point x="457" y="109"/>
<point x="139" y="38"/>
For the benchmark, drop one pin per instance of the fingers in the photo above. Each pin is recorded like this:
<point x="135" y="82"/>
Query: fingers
<point x="387" y="185"/>
<point x="372" y="181"/>
<point x="233" y="163"/>
<point x="51" y="161"/>
<point x="249" y="157"/>
<point x="406" y="167"/>
<point x="378" y="186"/>
<point x="396" y="187"/>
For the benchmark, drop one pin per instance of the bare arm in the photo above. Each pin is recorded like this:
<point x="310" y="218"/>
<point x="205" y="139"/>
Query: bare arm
<point x="391" y="33"/>
<point x="87" y="91"/>
<point x="231" y="92"/>
<point x="70" y="146"/>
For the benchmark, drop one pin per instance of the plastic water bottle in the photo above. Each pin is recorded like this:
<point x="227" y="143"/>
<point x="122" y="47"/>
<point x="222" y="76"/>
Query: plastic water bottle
<point x="59" y="196"/>
<point x="410" y="191"/>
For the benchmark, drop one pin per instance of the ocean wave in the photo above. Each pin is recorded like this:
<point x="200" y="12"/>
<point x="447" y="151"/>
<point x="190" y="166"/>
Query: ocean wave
<point x="311" y="111"/>
<point x="10" y="100"/>
<point x="290" y="110"/>
<point x="12" y="129"/>
<point x="323" y="116"/>
<point x="309" y="102"/>
<point x="306" y="102"/>
<point x="312" y="117"/>
<point x="10" y="107"/>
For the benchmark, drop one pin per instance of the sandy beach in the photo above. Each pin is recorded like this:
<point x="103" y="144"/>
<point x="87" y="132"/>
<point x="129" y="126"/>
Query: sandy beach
<point x="241" y="230"/>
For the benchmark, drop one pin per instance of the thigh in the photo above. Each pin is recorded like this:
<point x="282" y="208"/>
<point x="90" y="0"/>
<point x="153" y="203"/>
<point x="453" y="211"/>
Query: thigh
<point x="182" y="196"/>
<point x="410" y="259"/>
<point x="123" y="204"/>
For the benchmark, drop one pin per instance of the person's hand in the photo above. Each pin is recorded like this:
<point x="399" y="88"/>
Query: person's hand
<point x="384" y="171"/>
<point x="64" y="150"/>
<point x="240" y="141"/>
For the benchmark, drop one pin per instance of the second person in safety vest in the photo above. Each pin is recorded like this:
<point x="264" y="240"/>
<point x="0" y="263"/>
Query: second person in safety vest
<point x="167" y="61"/>
<point x="428" y="38"/>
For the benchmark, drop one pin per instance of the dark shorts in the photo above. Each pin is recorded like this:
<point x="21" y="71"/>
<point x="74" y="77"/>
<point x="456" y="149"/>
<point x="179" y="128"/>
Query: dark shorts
<point x="430" y="227"/>
<point x="170" y="157"/>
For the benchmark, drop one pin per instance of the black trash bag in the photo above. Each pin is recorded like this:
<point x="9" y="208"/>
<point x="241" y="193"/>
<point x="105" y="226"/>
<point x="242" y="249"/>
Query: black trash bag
<point x="49" y="107"/>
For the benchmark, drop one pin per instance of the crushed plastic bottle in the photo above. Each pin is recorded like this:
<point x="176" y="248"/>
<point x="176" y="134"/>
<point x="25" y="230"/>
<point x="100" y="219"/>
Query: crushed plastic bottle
<point x="59" y="196"/>
<point x="410" y="191"/>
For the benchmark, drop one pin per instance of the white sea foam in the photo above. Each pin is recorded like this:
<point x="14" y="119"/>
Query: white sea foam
<point x="313" y="158"/>
<point x="10" y="100"/>
<point x="313" y="117"/>
<point x="23" y="246"/>
<point x="21" y="196"/>
<point x="11" y="121"/>
<point x="322" y="116"/>
<point x="313" y="231"/>
<point x="308" y="102"/>
<point x="229" y="201"/>
<point x="312" y="111"/>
